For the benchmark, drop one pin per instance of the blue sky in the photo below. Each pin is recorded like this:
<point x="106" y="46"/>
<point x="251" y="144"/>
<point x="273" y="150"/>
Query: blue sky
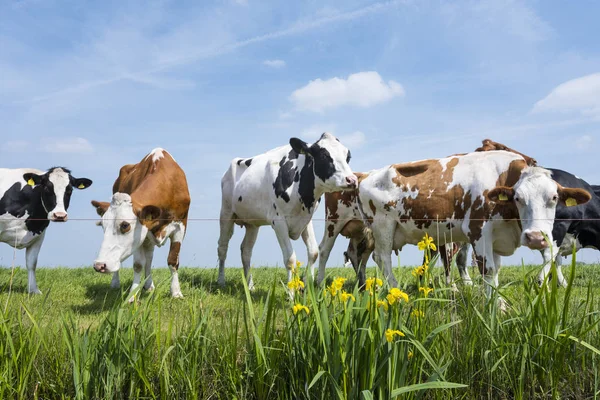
<point x="95" y="85"/>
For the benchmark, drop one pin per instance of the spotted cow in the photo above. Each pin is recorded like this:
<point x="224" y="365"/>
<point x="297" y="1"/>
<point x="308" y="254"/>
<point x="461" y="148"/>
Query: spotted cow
<point x="492" y="200"/>
<point x="281" y="188"/>
<point x="575" y="225"/>
<point x="343" y="217"/>
<point x="149" y="205"/>
<point x="29" y="200"/>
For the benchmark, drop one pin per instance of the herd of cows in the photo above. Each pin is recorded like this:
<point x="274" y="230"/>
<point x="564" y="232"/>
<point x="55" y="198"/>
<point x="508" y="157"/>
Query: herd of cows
<point x="494" y="199"/>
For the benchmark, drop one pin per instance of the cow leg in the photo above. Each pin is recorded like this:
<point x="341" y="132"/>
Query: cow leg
<point x="383" y="235"/>
<point x="148" y="249"/>
<point x="332" y="230"/>
<point x="489" y="264"/>
<point x="548" y="256"/>
<point x="561" y="279"/>
<point x="139" y="261"/>
<point x="115" y="283"/>
<point x="283" y="237"/>
<point x="31" y="257"/>
<point x="246" y="247"/>
<point x="363" y="258"/>
<point x="461" y="264"/>
<point x="173" y="262"/>
<point x="447" y="262"/>
<point x="226" y="224"/>
<point x="312" y="248"/>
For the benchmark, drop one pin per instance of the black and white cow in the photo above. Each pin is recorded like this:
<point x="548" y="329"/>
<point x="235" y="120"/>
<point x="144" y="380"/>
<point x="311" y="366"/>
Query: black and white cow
<point x="281" y="188"/>
<point x="578" y="226"/>
<point x="29" y="200"/>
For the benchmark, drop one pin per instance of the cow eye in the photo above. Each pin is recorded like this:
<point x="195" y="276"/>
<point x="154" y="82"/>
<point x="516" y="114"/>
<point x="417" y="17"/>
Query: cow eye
<point x="125" y="227"/>
<point x="555" y="197"/>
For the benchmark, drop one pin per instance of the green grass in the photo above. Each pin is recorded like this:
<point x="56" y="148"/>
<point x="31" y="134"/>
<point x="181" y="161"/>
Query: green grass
<point x="81" y="340"/>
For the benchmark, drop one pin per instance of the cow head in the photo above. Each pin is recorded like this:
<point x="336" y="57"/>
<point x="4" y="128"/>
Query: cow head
<point x="126" y="226"/>
<point x="330" y="162"/>
<point x="536" y="195"/>
<point x="55" y="187"/>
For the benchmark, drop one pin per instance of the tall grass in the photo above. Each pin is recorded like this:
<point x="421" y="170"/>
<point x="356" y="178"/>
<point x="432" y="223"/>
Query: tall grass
<point x="337" y="343"/>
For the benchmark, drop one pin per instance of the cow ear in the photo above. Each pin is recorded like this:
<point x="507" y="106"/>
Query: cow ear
<point x="501" y="194"/>
<point x="101" y="206"/>
<point x="81" y="183"/>
<point x="573" y="197"/>
<point x="300" y="146"/>
<point x="149" y="213"/>
<point x="32" y="179"/>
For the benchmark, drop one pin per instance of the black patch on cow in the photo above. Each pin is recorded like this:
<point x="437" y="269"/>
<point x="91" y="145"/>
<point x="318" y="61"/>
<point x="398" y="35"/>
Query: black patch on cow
<point x="240" y="198"/>
<point x="285" y="178"/>
<point x="248" y="162"/>
<point x="18" y="200"/>
<point x="240" y="161"/>
<point x="348" y="157"/>
<point x="293" y="155"/>
<point x="323" y="163"/>
<point x="306" y="188"/>
<point x="274" y="206"/>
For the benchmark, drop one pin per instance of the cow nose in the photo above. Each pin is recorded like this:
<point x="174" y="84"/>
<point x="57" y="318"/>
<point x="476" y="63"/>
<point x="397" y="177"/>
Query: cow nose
<point x="100" y="266"/>
<point x="351" y="180"/>
<point x="59" y="216"/>
<point x="535" y="240"/>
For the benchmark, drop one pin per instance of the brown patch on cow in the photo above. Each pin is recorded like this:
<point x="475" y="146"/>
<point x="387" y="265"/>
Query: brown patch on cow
<point x="508" y="178"/>
<point x="331" y="230"/>
<point x="372" y="207"/>
<point x="490" y="145"/>
<point x="389" y="205"/>
<point x="361" y="176"/>
<point x="173" y="258"/>
<point x="412" y="169"/>
<point x="332" y="202"/>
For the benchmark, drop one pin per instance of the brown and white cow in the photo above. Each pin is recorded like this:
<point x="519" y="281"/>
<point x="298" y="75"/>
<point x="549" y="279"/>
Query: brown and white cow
<point x="149" y="205"/>
<point x="343" y="217"/>
<point x="492" y="200"/>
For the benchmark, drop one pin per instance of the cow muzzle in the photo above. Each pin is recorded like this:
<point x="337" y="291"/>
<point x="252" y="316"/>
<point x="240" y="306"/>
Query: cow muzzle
<point x="352" y="181"/>
<point x="535" y="240"/>
<point x="100" y="267"/>
<point x="59" y="217"/>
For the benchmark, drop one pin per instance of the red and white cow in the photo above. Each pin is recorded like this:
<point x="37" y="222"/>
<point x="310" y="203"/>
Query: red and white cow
<point x="492" y="200"/>
<point x="281" y="188"/>
<point x="149" y="205"/>
<point x="343" y="217"/>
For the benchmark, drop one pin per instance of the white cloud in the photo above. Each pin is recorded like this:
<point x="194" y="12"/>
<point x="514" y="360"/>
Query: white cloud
<point x="579" y="95"/>
<point x="66" y="145"/>
<point x="363" y="89"/>
<point x="14" y="146"/>
<point x="584" y="142"/>
<point x="274" y="63"/>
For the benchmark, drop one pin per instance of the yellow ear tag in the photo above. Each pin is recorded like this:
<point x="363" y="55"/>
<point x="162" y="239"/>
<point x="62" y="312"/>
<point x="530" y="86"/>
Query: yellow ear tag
<point x="502" y="197"/>
<point x="570" y="202"/>
<point x="30" y="182"/>
<point x="81" y="186"/>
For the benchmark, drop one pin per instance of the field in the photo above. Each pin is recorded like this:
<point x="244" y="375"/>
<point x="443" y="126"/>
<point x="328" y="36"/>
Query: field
<point x="80" y="339"/>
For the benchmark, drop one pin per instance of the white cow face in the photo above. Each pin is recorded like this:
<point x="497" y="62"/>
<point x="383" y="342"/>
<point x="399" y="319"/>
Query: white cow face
<point x="330" y="162"/>
<point x="536" y="195"/>
<point x="124" y="233"/>
<point x="55" y="188"/>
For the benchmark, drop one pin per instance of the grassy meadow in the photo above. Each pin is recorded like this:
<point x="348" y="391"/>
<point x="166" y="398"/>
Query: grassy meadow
<point x="81" y="339"/>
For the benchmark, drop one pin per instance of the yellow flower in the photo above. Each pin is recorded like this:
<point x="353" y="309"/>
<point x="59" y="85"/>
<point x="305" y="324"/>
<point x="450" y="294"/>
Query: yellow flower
<point x="382" y="303"/>
<point x="425" y="290"/>
<point x="344" y="296"/>
<point x="410" y="355"/>
<point x="296" y="283"/>
<point x="336" y="286"/>
<point x="390" y="333"/>
<point x="373" y="284"/>
<point x="299" y="307"/>
<point x="397" y="294"/>
<point x="427" y="243"/>
<point x="417" y="313"/>
<point x="297" y="267"/>
<point x="420" y="271"/>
